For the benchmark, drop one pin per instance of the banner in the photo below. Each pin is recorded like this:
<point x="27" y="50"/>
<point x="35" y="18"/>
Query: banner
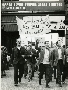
<point x="33" y="25"/>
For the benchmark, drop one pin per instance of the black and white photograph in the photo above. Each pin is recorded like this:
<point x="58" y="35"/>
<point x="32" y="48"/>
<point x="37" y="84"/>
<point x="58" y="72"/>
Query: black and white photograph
<point x="34" y="45"/>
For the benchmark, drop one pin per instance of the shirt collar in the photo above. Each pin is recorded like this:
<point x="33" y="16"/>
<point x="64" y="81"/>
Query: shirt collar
<point x="59" y="47"/>
<point x="18" y="48"/>
<point x="47" y="49"/>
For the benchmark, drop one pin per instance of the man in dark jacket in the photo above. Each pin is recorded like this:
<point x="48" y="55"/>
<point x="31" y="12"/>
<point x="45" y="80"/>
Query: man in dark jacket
<point x="29" y="62"/>
<point x="24" y="54"/>
<point x="34" y="55"/>
<point x="65" y="73"/>
<point x="3" y="60"/>
<point x="31" y="54"/>
<point x="18" y="62"/>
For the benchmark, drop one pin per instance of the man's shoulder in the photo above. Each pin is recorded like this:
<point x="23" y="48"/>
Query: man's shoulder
<point x="22" y="47"/>
<point x="42" y="52"/>
<point x="15" y="49"/>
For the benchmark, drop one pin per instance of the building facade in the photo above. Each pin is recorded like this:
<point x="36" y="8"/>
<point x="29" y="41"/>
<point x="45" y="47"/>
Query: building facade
<point x="11" y="9"/>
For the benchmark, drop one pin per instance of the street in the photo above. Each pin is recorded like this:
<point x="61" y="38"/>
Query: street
<point x="7" y="83"/>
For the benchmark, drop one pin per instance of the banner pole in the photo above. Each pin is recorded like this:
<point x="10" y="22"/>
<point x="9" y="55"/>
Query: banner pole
<point x="65" y="37"/>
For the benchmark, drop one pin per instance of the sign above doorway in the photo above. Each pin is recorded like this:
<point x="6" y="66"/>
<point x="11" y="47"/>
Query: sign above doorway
<point x="53" y="5"/>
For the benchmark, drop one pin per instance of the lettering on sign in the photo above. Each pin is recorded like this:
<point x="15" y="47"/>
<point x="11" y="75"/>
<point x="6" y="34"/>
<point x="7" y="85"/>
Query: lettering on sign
<point x="59" y="5"/>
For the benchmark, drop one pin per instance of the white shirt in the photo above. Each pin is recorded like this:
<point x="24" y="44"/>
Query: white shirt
<point x="46" y="57"/>
<point x="59" y="53"/>
<point x="8" y="58"/>
<point x="18" y="48"/>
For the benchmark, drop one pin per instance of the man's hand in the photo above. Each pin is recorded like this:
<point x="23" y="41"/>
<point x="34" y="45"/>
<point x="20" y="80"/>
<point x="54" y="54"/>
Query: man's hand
<point x="52" y="66"/>
<point x="30" y="55"/>
<point x="36" y="50"/>
<point x="25" y="59"/>
<point x="23" y="56"/>
<point x="37" y="64"/>
<point x="35" y="57"/>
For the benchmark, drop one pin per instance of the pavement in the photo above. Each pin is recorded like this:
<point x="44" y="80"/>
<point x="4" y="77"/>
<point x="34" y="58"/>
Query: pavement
<point x="7" y="83"/>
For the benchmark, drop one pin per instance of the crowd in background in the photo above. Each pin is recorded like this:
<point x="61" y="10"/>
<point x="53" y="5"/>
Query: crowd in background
<point x="44" y="59"/>
<point x="5" y="60"/>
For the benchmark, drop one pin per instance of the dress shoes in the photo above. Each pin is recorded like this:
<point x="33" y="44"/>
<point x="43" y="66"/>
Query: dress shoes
<point x="39" y="82"/>
<point x="60" y="85"/>
<point x="47" y="86"/>
<point x="15" y="84"/>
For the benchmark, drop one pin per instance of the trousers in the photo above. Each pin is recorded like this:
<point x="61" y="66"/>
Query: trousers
<point x="47" y="69"/>
<point x="18" y="71"/>
<point x="59" y="71"/>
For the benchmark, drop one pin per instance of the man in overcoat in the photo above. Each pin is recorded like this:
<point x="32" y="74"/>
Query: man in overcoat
<point x="18" y="62"/>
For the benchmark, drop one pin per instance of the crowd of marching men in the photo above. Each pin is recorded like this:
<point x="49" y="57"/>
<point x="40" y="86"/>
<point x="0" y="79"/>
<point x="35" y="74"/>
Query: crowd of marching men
<point x="45" y="60"/>
<point x="5" y="60"/>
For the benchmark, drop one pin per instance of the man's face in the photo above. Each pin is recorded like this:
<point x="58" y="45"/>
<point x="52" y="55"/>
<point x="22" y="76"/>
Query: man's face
<point x="29" y="46"/>
<point x="59" y="43"/>
<point x="25" y="46"/>
<point x="47" y="45"/>
<point x="18" y="43"/>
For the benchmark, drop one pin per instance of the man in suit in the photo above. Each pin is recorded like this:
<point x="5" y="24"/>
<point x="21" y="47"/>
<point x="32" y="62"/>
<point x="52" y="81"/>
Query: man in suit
<point x="4" y="52"/>
<point x="65" y="73"/>
<point x="54" y="61"/>
<point x="25" y="64"/>
<point x="29" y="62"/>
<point x="59" y="57"/>
<point x="22" y="59"/>
<point x="34" y="55"/>
<point x="45" y="64"/>
<point x="17" y="62"/>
